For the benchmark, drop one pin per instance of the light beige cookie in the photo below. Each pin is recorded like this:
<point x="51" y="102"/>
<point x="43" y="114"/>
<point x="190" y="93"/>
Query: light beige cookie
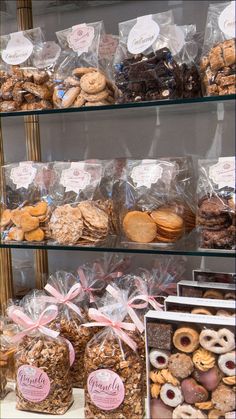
<point x="70" y="96"/>
<point x="93" y="82"/>
<point x="80" y="101"/>
<point x="98" y="97"/>
<point x="80" y="71"/>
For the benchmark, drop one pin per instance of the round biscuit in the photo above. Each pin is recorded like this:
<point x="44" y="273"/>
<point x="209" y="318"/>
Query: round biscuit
<point x="139" y="227"/>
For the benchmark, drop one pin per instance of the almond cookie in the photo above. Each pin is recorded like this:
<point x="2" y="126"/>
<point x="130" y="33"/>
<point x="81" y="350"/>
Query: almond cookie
<point x="40" y="91"/>
<point x="96" y="97"/>
<point x="139" y="227"/>
<point x="203" y="359"/>
<point x="223" y="398"/>
<point x="16" y="234"/>
<point x="186" y="339"/>
<point x="70" y="96"/>
<point x="28" y="223"/>
<point x="36" y="235"/>
<point x="5" y="217"/>
<point x="94" y="216"/>
<point x="93" y="82"/>
<point x="66" y="224"/>
<point x="180" y="365"/>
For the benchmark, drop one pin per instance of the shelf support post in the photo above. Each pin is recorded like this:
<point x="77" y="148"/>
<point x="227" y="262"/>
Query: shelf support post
<point x="32" y="132"/>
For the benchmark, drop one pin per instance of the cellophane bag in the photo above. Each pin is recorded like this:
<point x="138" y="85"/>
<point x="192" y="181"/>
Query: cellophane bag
<point x="83" y="206"/>
<point x="64" y="290"/>
<point x="23" y="85"/>
<point x="157" y="200"/>
<point x="114" y="370"/>
<point x="219" y="58"/>
<point x="216" y="203"/>
<point x="78" y="81"/>
<point x="106" y="53"/>
<point x="144" y="66"/>
<point x="43" y="382"/>
<point x="7" y="350"/>
<point x="25" y="201"/>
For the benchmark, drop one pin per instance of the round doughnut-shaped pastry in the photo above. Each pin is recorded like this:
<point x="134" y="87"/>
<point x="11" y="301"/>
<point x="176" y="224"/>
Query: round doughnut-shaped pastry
<point x="215" y="414"/>
<point x="213" y="294"/>
<point x="186" y="339"/>
<point x="187" y="411"/>
<point x="227" y="363"/>
<point x="217" y="341"/>
<point x="203" y="359"/>
<point x="171" y="395"/>
<point x="223" y="398"/>
<point x="158" y="358"/>
<point x="180" y="365"/>
<point x="202" y="311"/>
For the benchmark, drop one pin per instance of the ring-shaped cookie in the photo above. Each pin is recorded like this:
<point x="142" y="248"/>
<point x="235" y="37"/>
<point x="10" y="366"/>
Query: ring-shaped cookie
<point x="213" y="294"/>
<point x="187" y="411"/>
<point x="227" y="363"/>
<point x="202" y="311"/>
<point x="171" y="395"/>
<point x="159" y="358"/>
<point x="186" y="339"/>
<point x="219" y="342"/>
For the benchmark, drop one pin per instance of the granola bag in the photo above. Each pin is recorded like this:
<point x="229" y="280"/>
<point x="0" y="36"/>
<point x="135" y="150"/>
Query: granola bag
<point x="82" y="211"/>
<point x="157" y="200"/>
<point x="144" y="66"/>
<point x="219" y="59"/>
<point x="216" y="203"/>
<point x="43" y="381"/>
<point x="79" y="81"/>
<point x="114" y="370"/>
<point x="23" y="85"/>
<point x="26" y="203"/>
<point x="7" y="350"/>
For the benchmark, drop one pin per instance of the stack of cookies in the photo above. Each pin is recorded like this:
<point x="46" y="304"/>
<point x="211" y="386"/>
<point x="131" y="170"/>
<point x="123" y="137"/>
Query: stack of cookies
<point x="27" y="222"/>
<point x="86" y="86"/>
<point x="218" y="69"/>
<point x="215" y="216"/>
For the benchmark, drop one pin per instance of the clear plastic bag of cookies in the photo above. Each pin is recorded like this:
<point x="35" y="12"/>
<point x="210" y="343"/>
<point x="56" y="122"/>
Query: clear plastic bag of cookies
<point x="83" y="208"/>
<point x="191" y="368"/>
<point x="218" y="60"/>
<point x="114" y="371"/>
<point x="106" y="53"/>
<point x="144" y="66"/>
<point x="79" y="80"/>
<point x="216" y="203"/>
<point x="25" y="209"/>
<point x="43" y="382"/>
<point x="64" y="290"/>
<point x="7" y="367"/>
<point x="157" y="200"/>
<point x="23" y="85"/>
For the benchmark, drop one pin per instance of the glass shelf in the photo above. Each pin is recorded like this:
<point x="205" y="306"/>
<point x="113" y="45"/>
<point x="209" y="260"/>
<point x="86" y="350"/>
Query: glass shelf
<point x="202" y="104"/>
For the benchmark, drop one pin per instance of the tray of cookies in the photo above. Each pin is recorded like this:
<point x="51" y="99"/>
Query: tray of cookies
<point x="190" y="366"/>
<point x="204" y="306"/>
<point x="209" y="290"/>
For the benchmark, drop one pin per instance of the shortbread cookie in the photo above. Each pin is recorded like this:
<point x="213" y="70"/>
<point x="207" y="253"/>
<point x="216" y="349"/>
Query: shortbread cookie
<point x="35" y="235"/>
<point x="95" y="97"/>
<point x="139" y="227"/>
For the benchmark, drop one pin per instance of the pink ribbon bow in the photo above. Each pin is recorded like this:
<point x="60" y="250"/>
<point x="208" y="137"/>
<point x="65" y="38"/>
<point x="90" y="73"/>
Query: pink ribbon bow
<point x="20" y="318"/>
<point x="150" y="299"/>
<point x="64" y="299"/>
<point x="103" y="320"/>
<point x="85" y="286"/>
<point x="97" y="267"/>
<point x="130" y="306"/>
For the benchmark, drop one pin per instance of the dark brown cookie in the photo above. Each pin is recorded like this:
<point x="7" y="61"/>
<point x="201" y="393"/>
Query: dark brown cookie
<point x="213" y="207"/>
<point x="221" y="239"/>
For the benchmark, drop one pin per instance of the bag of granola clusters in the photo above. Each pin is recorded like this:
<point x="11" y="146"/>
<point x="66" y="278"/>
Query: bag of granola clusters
<point x="114" y="370"/>
<point x="219" y="58"/>
<point x="79" y="81"/>
<point x="216" y="203"/>
<point x="43" y="381"/>
<point x="24" y="85"/>
<point x="157" y="200"/>
<point x="83" y="213"/>
<point x="26" y="203"/>
<point x="65" y="291"/>
<point x="144" y="66"/>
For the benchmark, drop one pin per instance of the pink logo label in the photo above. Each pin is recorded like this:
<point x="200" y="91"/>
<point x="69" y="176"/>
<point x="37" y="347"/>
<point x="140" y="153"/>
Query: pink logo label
<point x="80" y="38"/>
<point x="106" y="389"/>
<point x="33" y="383"/>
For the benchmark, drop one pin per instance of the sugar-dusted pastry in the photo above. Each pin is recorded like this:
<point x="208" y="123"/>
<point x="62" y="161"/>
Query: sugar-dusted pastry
<point x="219" y="342"/>
<point x="186" y="339"/>
<point x="209" y="379"/>
<point x="223" y="398"/>
<point x="193" y="392"/>
<point x="180" y="365"/>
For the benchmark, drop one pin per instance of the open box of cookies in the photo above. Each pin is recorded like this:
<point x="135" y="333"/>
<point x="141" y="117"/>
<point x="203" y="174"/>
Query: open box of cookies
<point x="209" y="276"/>
<point x="190" y="366"/>
<point x="209" y="290"/>
<point x="202" y="306"/>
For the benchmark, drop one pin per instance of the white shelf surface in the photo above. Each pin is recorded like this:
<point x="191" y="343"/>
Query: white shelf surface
<point x="8" y="408"/>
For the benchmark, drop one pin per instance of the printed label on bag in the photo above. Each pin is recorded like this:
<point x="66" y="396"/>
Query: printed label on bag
<point x="226" y="21"/>
<point x="23" y="175"/>
<point x="47" y="55"/>
<point x="146" y="174"/>
<point x="106" y="389"/>
<point x="18" y="49"/>
<point x="33" y="383"/>
<point x="108" y="46"/>
<point x="75" y="178"/>
<point x="223" y="172"/>
<point x="143" y="34"/>
<point x="81" y="38"/>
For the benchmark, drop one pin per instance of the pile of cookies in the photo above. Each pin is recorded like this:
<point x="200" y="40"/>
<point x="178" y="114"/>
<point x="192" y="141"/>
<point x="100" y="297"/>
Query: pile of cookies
<point x="85" y="223"/>
<point x="218" y="69"/>
<point x="27" y="222"/>
<point x="165" y="224"/>
<point x="192" y="373"/>
<point x="25" y="89"/>
<point x="216" y="217"/>
<point x="86" y="86"/>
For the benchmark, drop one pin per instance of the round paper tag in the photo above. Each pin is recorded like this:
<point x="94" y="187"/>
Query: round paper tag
<point x="33" y="383"/>
<point x="106" y="389"/>
<point x="226" y="21"/>
<point x="18" y="49"/>
<point x="142" y="35"/>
